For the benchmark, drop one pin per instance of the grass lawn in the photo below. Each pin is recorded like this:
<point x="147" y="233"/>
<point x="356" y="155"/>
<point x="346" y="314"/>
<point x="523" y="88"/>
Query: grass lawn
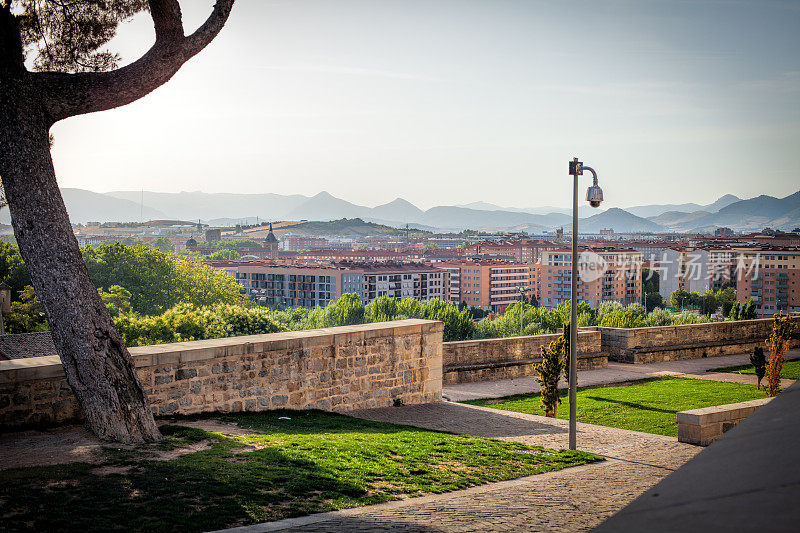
<point x="790" y="370"/>
<point x="279" y="468"/>
<point x="647" y="405"/>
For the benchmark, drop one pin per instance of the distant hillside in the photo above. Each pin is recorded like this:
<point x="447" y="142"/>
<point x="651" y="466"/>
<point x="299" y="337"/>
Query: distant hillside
<point x="620" y="221"/>
<point x="228" y="209"/>
<point x="207" y="206"/>
<point x="354" y="227"/>
<point x="87" y="206"/>
<point x="325" y="206"/>
<point x="399" y="210"/>
<point x="678" y="219"/>
<point x="756" y="214"/>
<point x="654" y="210"/>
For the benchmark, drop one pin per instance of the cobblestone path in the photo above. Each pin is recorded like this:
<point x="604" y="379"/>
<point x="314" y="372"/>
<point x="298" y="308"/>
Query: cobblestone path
<point x="574" y="499"/>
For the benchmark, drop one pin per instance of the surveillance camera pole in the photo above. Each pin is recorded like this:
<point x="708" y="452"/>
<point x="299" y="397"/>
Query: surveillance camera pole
<point x="576" y="169"/>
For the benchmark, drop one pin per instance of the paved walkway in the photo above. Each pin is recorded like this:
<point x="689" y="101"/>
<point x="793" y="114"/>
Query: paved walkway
<point x="615" y="373"/>
<point x="574" y="499"/>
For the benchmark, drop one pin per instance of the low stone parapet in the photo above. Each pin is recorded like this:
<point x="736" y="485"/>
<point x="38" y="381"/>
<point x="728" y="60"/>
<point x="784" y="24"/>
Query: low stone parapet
<point x="687" y="341"/>
<point x="333" y="369"/>
<point x="512" y="357"/>
<point x="703" y="426"/>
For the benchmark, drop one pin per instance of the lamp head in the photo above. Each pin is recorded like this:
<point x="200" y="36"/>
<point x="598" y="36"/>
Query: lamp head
<point x="594" y="195"/>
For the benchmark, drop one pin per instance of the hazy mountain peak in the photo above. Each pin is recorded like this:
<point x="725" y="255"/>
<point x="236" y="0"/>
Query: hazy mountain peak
<point x="399" y="202"/>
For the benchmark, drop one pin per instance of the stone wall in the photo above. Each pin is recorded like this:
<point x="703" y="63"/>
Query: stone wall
<point x="704" y="426"/>
<point x="335" y="369"/>
<point x="512" y="357"/>
<point x="689" y="341"/>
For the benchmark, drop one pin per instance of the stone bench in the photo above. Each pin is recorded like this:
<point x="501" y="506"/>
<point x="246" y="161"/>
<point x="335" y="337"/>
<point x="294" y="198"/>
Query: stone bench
<point x="704" y="426"/>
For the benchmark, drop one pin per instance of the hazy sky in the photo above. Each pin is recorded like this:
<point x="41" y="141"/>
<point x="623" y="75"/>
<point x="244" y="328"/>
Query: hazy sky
<point x="446" y="102"/>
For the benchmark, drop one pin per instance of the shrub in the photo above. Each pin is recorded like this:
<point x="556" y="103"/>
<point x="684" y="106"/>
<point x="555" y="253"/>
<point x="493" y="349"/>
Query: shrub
<point x="783" y="331"/>
<point x="187" y="322"/>
<point x="555" y="360"/>
<point x="759" y="362"/>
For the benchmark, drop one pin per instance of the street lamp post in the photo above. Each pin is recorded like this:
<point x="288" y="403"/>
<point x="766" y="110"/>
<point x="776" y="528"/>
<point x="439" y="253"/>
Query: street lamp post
<point x="594" y="195"/>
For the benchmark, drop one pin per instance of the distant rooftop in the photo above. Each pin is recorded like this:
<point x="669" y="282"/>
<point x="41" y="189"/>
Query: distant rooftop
<point x="22" y="345"/>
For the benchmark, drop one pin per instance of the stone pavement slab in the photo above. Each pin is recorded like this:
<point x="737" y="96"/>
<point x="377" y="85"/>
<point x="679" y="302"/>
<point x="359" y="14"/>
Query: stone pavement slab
<point x="574" y="499"/>
<point x="615" y="373"/>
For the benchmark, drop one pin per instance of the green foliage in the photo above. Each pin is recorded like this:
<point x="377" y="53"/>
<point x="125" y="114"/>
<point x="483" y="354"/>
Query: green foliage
<point x="683" y="299"/>
<point x="784" y="330"/>
<point x="187" y="322"/>
<point x="158" y="281"/>
<point x="651" y="281"/>
<point x="658" y="317"/>
<point x="726" y="298"/>
<point x="649" y="406"/>
<point x="346" y="311"/>
<point x="225" y="254"/>
<point x="163" y="244"/>
<point x="71" y="36"/>
<point x="708" y="303"/>
<point x="27" y="314"/>
<point x="759" y="362"/>
<point x="381" y="309"/>
<point x="12" y="269"/>
<point x="748" y="312"/>
<point x="555" y="361"/>
<point x="117" y="300"/>
<point x="280" y="464"/>
<point x="654" y="301"/>
<point x="458" y="324"/>
<point x="632" y="316"/>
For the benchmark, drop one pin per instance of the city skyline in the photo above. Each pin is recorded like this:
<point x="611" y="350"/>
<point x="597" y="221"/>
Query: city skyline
<point x="456" y="102"/>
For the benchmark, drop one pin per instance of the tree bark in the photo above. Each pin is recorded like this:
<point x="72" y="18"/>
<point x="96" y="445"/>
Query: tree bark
<point x="96" y="362"/>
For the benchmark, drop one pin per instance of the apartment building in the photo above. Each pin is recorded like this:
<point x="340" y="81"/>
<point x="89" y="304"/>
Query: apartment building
<point x="298" y="243"/>
<point x="522" y="251"/>
<point x="309" y="285"/>
<point x="604" y="275"/>
<point x="488" y="284"/>
<point x="361" y="256"/>
<point x="273" y="284"/>
<point x="771" y="278"/>
<point x="683" y="268"/>
<point x="423" y="282"/>
<point x="721" y="267"/>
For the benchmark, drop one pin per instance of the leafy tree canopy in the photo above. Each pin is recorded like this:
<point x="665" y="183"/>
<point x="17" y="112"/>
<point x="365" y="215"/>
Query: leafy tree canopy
<point x="157" y="281"/>
<point x="70" y="36"/>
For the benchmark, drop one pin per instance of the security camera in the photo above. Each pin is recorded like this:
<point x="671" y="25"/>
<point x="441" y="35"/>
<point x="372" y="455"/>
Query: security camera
<point x="594" y="195"/>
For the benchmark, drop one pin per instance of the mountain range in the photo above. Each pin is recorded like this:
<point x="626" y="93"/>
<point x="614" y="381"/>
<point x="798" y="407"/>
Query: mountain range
<point x="230" y="208"/>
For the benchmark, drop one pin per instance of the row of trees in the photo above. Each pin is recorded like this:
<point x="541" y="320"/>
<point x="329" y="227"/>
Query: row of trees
<point x="131" y="280"/>
<point x="144" y="289"/>
<point x="192" y="321"/>
<point x="719" y="301"/>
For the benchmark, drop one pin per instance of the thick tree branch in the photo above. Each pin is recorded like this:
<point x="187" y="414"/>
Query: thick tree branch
<point x="167" y="20"/>
<point x="12" y="59"/>
<point x="66" y="95"/>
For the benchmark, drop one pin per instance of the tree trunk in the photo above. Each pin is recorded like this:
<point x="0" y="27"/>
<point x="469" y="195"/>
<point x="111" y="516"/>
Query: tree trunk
<point x="97" y="364"/>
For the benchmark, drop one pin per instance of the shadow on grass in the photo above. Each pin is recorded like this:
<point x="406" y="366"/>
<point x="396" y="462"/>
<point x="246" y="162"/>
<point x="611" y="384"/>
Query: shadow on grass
<point x="563" y="393"/>
<point x="197" y="492"/>
<point x="459" y="419"/>
<point x="631" y="404"/>
<point x="292" y="463"/>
